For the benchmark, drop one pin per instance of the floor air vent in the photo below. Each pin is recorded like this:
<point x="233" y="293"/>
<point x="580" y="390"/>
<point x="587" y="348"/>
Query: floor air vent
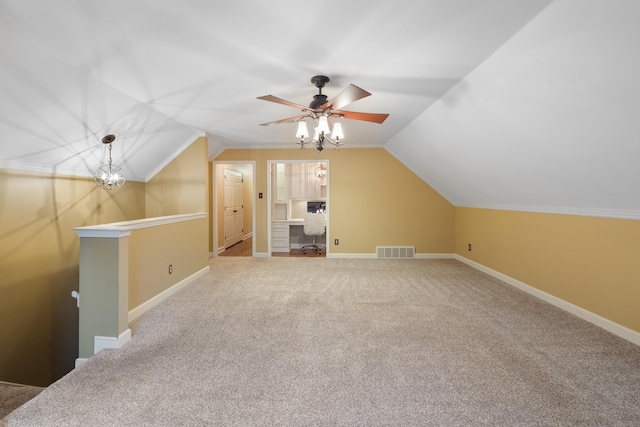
<point x="396" y="251"/>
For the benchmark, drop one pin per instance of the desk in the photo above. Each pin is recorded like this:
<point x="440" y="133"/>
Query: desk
<point x="288" y="234"/>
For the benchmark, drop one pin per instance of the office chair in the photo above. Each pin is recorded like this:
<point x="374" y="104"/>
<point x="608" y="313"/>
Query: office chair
<point x="314" y="225"/>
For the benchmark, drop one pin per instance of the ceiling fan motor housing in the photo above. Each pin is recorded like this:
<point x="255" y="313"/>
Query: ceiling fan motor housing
<point x="319" y="99"/>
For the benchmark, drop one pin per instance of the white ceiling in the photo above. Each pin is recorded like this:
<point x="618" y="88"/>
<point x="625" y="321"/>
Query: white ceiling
<point x="525" y="104"/>
<point x="550" y="122"/>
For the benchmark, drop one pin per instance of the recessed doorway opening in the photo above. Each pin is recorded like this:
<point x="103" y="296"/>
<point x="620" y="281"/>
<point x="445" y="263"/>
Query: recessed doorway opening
<point x="295" y="189"/>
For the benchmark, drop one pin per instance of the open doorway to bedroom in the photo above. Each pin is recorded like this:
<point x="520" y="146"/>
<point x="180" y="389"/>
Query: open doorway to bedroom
<point x="233" y="206"/>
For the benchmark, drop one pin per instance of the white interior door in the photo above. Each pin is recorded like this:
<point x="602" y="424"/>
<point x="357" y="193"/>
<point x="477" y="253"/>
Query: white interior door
<point x="233" y="207"/>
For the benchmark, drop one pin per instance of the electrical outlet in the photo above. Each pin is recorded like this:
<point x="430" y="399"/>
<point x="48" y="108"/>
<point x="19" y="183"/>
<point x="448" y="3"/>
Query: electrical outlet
<point x="469" y="247"/>
<point x="170" y="268"/>
<point x="336" y="242"/>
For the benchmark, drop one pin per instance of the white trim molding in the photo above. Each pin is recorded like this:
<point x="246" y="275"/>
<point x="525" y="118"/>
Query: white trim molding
<point x="149" y="304"/>
<point x="606" y="324"/>
<point x="100" y="343"/>
<point x="123" y="229"/>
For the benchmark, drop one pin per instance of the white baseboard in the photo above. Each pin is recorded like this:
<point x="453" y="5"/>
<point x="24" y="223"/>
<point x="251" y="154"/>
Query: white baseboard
<point x="351" y="255"/>
<point x="435" y="256"/>
<point x="147" y="305"/>
<point x="606" y="324"/>
<point x="261" y="255"/>
<point x="100" y="343"/>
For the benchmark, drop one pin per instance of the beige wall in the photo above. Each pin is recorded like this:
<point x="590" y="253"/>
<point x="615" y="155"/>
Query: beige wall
<point x="247" y="173"/>
<point x="181" y="187"/>
<point x="39" y="253"/>
<point x="182" y="245"/>
<point x="375" y="201"/>
<point x="592" y="263"/>
<point x="39" y="256"/>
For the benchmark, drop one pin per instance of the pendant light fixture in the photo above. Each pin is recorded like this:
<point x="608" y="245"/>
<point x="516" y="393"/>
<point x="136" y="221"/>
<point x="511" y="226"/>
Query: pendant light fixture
<point x="109" y="176"/>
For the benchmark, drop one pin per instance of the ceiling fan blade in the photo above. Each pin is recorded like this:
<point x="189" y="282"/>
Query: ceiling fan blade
<point x="277" y="100"/>
<point x="290" y="119"/>
<point x="366" y="117"/>
<point x="351" y="94"/>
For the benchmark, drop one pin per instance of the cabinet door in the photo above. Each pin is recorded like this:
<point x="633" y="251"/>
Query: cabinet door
<point x="298" y="180"/>
<point x="313" y="183"/>
<point x="280" y="181"/>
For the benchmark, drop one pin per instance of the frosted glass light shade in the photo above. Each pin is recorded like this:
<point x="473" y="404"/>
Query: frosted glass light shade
<point x="302" y="132"/>
<point x="337" y="131"/>
<point x="323" y="125"/>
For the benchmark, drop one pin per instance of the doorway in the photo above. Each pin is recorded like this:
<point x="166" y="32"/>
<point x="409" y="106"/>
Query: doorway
<point x="292" y="187"/>
<point x="233" y="201"/>
<point x="233" y="219"/>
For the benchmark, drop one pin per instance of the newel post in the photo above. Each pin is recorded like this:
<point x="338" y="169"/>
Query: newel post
<point x="104" y="284"/>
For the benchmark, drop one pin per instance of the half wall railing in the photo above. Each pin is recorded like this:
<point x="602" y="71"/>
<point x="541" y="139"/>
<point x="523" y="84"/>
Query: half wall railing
<point x="128" y="267"/>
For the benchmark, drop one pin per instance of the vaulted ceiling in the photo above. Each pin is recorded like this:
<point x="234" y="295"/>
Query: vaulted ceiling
<point x="514" y="104"/>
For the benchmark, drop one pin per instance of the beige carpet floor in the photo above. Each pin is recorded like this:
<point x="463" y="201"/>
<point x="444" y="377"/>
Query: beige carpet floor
<point x="328" y="342"/>
<point x="12" y="396"/>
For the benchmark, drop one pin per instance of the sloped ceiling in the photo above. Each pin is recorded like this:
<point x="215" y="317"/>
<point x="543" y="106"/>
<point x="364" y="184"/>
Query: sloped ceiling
<point x="525" y="104"/>
<point x="549" y="122"/>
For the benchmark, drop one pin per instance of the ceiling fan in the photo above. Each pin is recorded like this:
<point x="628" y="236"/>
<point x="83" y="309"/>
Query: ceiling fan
<point x="321" y="109"/>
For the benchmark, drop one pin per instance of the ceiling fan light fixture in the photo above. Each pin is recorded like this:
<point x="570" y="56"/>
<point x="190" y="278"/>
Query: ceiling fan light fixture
<point x="321" y="135"/>
<point x="320" y="110"/>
